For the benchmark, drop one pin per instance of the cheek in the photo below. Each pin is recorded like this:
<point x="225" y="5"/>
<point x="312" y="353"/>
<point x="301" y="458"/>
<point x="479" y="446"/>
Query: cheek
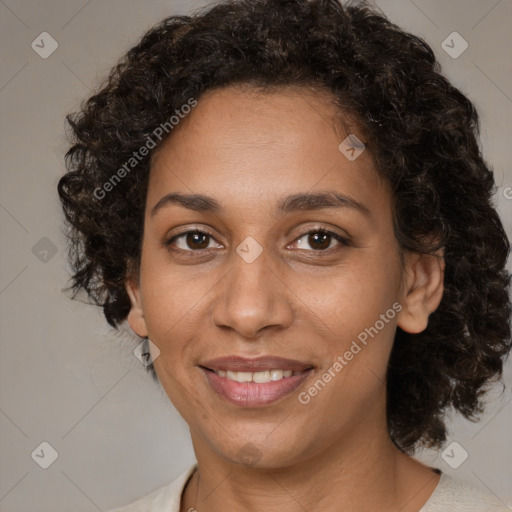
<point x="167" y="294"/>
<point x="354" y="322"/>
<point x="349" y="298"/>
<point x="178" y="386"/>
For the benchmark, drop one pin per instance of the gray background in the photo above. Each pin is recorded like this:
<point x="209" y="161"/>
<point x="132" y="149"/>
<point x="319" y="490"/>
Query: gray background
<point x="66" y="378"/>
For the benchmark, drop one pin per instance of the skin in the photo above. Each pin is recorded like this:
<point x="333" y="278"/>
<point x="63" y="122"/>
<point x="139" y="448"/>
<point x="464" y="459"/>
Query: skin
<point x="247" y="150"/>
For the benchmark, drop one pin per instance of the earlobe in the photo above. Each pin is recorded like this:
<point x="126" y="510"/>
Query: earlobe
<point x="423" y="290"/>
<point x="136" y="315"/>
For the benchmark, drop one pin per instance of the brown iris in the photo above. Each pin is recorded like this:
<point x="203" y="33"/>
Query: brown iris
<point x="193" y="237"/>
<point x="318" y="240"/>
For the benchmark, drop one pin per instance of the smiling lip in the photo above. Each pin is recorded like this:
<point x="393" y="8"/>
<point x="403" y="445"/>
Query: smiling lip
<point x="257" y="364"/>
<point x="253" y="394"/>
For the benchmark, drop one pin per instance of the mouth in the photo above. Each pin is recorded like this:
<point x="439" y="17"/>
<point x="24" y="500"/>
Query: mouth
<point x="255" y="382"/>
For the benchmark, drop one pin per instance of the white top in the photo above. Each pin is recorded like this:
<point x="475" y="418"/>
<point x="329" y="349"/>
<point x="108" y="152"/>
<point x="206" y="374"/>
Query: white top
<point x="450" y="495"/>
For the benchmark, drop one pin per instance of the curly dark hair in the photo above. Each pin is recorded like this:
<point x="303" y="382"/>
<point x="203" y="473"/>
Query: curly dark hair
<point x="420" y="130"/>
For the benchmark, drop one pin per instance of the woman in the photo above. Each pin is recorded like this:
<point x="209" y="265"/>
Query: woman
<point x="287" y="200"/>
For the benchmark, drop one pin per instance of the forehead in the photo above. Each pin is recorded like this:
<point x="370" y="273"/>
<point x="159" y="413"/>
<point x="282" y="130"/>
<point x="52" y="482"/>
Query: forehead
<point x="249" y="146"/>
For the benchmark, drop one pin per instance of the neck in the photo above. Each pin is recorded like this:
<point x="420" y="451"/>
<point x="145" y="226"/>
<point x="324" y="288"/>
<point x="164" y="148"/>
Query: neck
<point x="354" y="474"/>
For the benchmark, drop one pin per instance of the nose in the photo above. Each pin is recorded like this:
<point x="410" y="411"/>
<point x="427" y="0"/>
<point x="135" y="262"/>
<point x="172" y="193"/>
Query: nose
<point x="252" y="297"/>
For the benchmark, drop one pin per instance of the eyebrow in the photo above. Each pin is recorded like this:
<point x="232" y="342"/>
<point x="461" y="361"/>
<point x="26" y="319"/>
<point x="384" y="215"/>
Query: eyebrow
<point x="288" y="204"/>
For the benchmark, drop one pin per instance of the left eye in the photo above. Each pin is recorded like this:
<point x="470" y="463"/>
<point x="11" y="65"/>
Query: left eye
<point x="320" y="239"/>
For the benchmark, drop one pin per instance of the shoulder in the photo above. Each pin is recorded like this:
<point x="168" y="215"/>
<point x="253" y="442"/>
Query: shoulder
<point x="456" y="496"/>
<point x="163" y="499"/>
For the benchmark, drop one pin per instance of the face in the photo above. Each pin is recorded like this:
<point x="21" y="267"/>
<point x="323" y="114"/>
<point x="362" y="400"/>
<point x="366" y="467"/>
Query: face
<point x="263" y="269"/>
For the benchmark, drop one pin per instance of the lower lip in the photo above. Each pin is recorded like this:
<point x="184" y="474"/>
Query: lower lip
<point x="253" y="394"/>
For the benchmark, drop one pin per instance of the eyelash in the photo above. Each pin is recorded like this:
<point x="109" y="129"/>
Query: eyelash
<point x="342" y="240"/>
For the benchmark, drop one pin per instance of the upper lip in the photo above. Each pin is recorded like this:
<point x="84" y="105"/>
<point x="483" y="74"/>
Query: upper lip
<point x="257" y="364"/>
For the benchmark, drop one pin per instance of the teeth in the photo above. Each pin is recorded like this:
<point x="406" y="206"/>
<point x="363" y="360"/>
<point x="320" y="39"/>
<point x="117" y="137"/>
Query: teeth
<point x="258" y="377"/>
<point x="276" y="374"/>
<point x="240" y="376"/>
<point x="261" y="376"/>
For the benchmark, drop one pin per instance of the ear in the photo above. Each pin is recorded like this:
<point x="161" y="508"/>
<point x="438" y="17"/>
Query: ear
<point x="422" y="291"/>
<point x="136" y="315"/>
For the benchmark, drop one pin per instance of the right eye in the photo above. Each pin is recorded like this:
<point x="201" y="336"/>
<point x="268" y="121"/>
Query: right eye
<point x="191" y="241"/>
